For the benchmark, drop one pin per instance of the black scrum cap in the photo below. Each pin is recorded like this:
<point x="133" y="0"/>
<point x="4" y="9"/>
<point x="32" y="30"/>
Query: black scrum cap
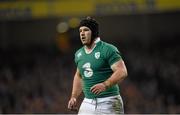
<point x="92" y="25"/>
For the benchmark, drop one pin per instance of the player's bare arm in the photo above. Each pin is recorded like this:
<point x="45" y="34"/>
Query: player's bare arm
<point x="76" y="90"/>
<point x="119" y="73"/>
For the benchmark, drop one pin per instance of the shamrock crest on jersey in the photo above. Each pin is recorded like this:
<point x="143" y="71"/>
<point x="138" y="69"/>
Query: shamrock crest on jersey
<point x="88" y="72"/>
<point x="97" y="55"/>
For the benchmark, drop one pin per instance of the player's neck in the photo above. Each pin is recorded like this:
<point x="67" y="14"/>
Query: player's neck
<point x="89" y="48"/>
<point x="93" y="43"/>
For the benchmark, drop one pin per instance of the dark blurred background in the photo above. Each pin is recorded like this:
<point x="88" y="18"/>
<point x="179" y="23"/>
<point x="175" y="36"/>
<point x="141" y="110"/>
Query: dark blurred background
<point x="38" y="39"/>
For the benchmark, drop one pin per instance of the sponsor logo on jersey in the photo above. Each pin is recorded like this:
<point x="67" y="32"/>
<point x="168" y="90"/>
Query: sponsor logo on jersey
<point x="97" y="55"/>
<point x="79" y="54"/>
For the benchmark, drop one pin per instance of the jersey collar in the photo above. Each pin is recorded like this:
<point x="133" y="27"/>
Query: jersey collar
<point x="96" y="41"/>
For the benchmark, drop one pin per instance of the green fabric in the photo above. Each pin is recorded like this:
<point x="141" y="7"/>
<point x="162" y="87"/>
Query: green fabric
<point x="96" y="68"/>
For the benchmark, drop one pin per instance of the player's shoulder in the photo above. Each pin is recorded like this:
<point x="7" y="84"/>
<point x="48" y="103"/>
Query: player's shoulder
<point x="79" y="52"/>
<point x="108" y="46"/>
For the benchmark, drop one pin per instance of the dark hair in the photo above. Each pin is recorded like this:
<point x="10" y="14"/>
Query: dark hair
<point x="92" y="24"/>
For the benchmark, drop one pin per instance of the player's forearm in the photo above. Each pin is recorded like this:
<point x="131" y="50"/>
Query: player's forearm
<point x="77" y="87"/>
<point x="116" y="77"/>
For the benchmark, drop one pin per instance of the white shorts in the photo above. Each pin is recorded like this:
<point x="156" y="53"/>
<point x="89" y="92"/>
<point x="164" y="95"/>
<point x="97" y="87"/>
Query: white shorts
<point x="107" y="105"/>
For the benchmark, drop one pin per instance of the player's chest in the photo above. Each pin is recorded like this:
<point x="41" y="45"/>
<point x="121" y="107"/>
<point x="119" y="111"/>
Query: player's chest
<point x="94" y="61"/>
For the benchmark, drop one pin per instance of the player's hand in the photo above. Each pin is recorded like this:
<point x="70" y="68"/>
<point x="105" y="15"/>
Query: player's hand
<point x="98" y="88"/>
<point x="72" y="104"/>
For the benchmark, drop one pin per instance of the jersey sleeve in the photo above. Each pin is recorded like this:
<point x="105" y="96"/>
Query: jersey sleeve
<point x="75" y="59"/>
<point x="112" y="54"/>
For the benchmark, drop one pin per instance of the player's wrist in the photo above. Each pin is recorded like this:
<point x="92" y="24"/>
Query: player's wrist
<point x="107" y="84"/>
<point x="73" y="95"/>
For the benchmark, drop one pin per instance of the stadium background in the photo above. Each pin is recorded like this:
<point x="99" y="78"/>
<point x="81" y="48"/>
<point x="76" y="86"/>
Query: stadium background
<point x="38" y="39"/>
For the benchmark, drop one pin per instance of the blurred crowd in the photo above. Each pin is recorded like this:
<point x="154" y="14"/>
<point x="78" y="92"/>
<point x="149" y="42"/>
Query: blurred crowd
<point x="39" y="80"/>
<point x="35" y="80"/>
<point x="152" y="86"/>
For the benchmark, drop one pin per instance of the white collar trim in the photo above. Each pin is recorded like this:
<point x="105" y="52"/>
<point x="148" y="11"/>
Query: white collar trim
<point x="96" y="41"/>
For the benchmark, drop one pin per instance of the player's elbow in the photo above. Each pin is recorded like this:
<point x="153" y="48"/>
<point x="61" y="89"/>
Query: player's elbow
<point x="124" y="73"/>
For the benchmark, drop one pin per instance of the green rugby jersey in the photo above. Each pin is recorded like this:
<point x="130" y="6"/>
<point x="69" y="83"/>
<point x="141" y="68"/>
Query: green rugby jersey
<point x="95" y="67"/>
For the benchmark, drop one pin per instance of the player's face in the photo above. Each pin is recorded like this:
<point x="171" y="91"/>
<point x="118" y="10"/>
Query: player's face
<point x="85" y="35"/>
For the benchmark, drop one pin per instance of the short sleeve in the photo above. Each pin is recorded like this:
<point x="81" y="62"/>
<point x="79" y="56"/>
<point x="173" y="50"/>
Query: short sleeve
<point x="76" y="57"/>
<point x="112" y="54"/>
